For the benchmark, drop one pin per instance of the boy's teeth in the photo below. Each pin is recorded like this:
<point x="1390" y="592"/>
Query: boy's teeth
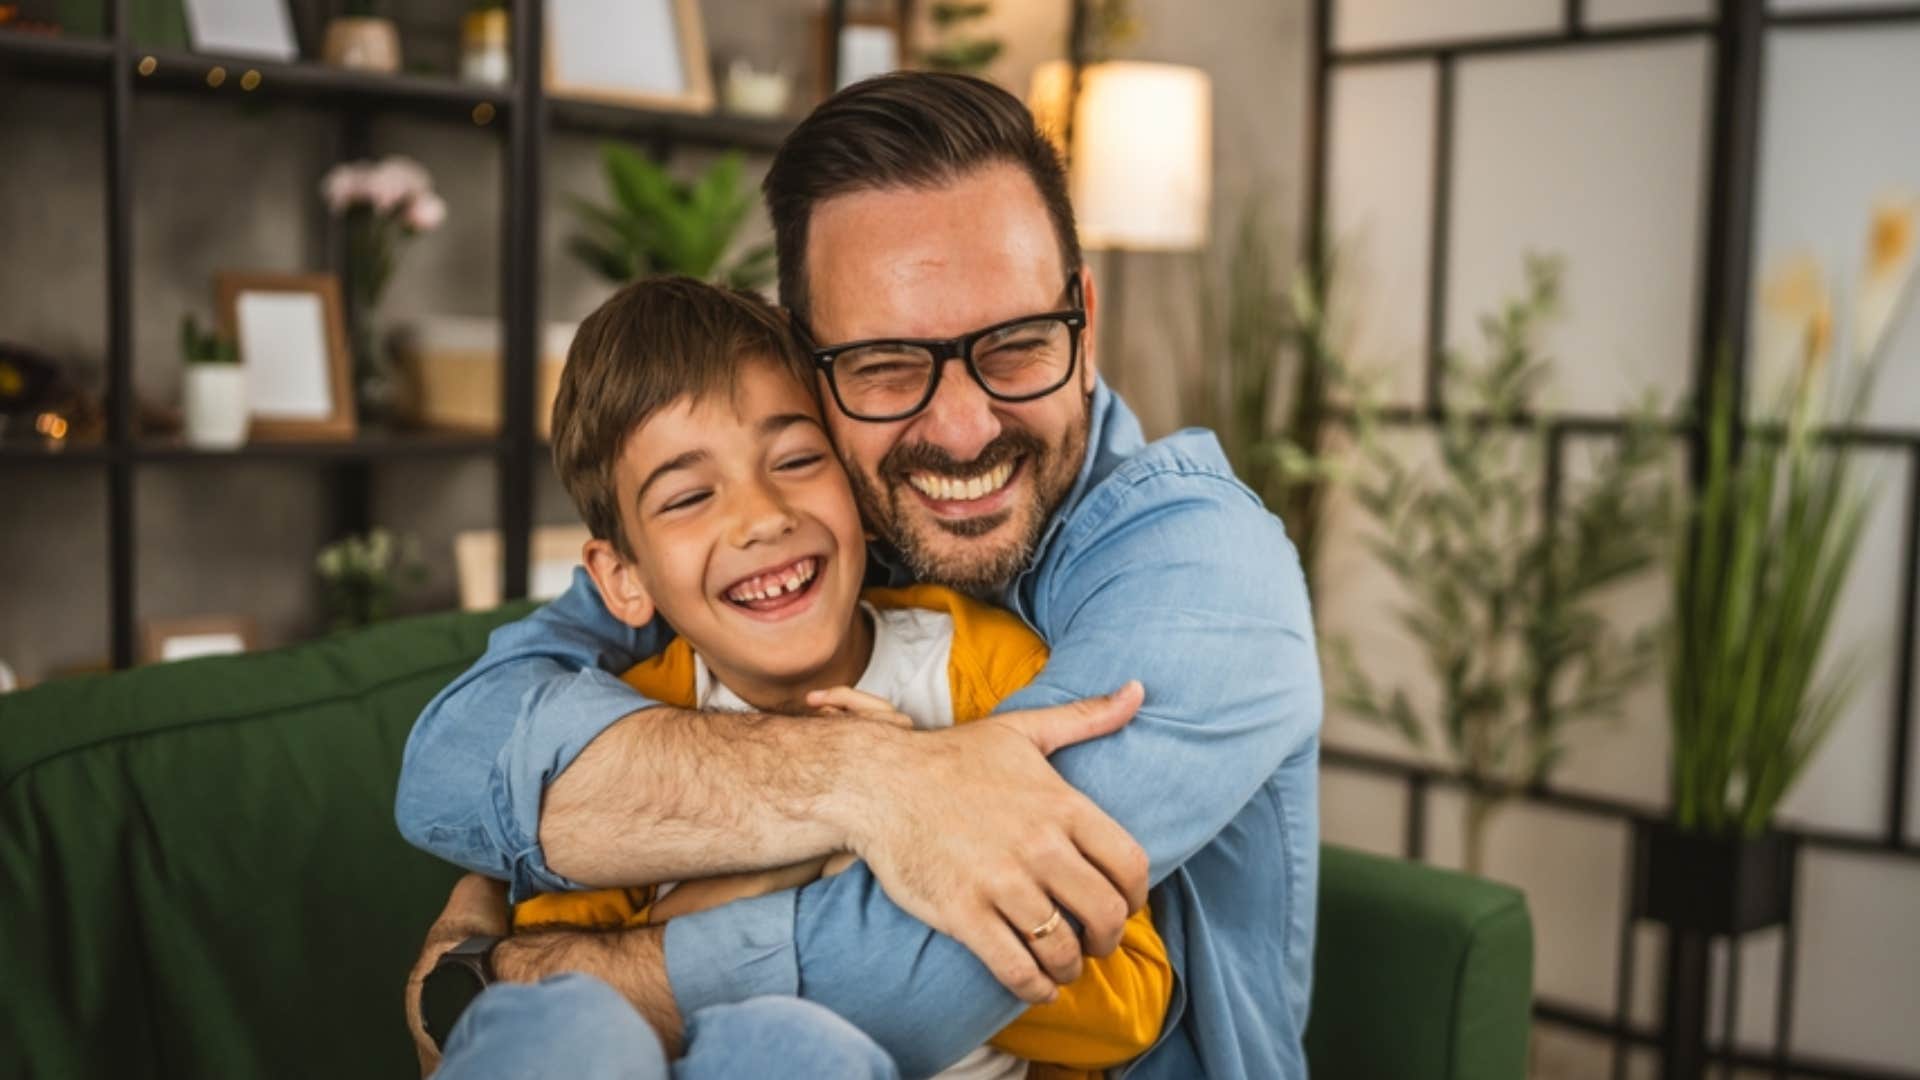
<point x="950" y="489"/>
<point x="770" y="586"/>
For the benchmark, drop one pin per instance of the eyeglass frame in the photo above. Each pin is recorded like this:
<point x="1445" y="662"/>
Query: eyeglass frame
<point x="955" y="348"/>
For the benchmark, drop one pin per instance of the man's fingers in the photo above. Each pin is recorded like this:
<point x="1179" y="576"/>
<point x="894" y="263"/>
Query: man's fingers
<point x="1055" y="948"/>
<point x="1078" y="721"/>
<point x="1115" y="852"/>
<point x="988" y="937"/>
<point x="1083" y="889"/>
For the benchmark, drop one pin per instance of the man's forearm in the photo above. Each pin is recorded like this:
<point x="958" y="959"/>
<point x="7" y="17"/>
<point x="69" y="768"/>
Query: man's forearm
<point x="633" y="962"/>
<point x="670" y="794"/>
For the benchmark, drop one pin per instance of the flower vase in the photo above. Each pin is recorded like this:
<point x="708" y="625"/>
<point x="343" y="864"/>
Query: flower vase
<point x="215" y="406"/>
<point x="375" y="382"/>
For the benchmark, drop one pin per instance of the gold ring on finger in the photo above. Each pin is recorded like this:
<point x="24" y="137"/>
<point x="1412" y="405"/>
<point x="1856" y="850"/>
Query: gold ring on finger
<point x="1045" y="928"/>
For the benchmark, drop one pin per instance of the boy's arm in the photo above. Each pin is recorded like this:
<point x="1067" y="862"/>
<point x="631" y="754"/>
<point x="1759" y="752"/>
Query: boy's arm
<point x="1109" y="1016"/>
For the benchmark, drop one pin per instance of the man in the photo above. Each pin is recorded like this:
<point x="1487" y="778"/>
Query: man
<point x="915" y="215"/>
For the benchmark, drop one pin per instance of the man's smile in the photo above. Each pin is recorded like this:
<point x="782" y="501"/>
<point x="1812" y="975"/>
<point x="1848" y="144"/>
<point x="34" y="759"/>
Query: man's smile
<point x="967" y="495"/>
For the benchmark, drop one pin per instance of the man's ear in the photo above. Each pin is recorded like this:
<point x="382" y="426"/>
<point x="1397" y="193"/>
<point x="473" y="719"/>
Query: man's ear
<point x="1089" y="335"/>
<point x="618" y="579"/>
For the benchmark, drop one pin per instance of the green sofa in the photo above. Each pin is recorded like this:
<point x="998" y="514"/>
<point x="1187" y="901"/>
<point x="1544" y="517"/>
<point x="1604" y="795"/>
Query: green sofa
<point x="199" y="876"/>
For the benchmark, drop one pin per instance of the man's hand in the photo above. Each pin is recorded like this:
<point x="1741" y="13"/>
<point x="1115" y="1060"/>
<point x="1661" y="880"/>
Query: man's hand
<point x="971" y="831"/>
<point x="477" y="906"/>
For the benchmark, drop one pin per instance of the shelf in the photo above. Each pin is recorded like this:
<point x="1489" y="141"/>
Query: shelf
<point x="40" y="453"/>
<point x="370" y="447"/>
<point x="53" y="56"/>
<point x="179" y="71"/>
<point x="719" y="130"/>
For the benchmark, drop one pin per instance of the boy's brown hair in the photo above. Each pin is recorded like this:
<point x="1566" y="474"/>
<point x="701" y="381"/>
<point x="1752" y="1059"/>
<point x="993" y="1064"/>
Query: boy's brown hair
<point x="652" y="343"/>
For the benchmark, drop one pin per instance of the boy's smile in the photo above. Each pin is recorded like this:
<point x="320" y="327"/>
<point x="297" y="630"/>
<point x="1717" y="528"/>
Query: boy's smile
<point x="744" y="536"/>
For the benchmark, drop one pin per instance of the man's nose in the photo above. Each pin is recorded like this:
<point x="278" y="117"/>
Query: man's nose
<point x="760" y="515"/>
<point x="960" y="419"/>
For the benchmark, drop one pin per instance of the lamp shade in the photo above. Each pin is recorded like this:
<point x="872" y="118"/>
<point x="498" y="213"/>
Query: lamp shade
<point x="1142" y="155"/>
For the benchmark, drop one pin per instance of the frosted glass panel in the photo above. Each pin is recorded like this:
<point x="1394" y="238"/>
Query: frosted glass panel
<point x="1622" y="757"/>
<point x="1361" y="24"/>
<point x="1596" y="156"/>
<point x="1845" y="787"/>
<point x="1573" y="868"/>
<point x="1859" y="951"/>
<point x="1380" y="217"/>
<point x="1629" y="12"/>
<point x="1840" y="111"/>
<point x="1360" y="810"/>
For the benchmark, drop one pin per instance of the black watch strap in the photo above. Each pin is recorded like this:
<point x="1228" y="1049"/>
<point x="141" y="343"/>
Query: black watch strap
<point x="459" y="976"/>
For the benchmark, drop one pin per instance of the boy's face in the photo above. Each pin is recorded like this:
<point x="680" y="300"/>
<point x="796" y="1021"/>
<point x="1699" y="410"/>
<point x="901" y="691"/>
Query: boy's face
<point x="744" y="531"/>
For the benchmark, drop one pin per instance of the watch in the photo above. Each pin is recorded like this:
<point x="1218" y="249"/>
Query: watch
<point x="459" y="976"/>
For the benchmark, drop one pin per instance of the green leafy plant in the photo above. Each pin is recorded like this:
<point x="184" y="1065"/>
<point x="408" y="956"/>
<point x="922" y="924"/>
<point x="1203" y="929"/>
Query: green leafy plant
<point x="205" y="347"/>
<point x="1769" y="538"/>
<point x="957" y="47"/>
<point x="362" y="576"/>
<point x="1502" y="598"/>
<point x="658" y="224"/>
<point x="1258" y="337"/>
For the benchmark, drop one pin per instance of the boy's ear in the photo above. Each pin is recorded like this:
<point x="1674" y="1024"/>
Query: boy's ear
<point x="619" y="582"/>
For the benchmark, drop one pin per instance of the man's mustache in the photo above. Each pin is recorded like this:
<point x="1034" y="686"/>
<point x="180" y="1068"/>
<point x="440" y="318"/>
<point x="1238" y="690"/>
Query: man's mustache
<point x="925" y="457"/>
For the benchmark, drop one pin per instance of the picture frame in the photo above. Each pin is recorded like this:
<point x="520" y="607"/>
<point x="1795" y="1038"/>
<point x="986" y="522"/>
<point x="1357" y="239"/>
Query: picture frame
<point x="649" y="54"/>
<point x="165" y="640"/>
<point x="868" y="45"/>
<point x="477" y="562"/>
<point x="292" y="339"/>
<point x="261" y="29"/>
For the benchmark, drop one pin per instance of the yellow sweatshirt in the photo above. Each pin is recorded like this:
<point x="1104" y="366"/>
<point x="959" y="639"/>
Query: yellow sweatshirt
<point x="1109" y="1016"/>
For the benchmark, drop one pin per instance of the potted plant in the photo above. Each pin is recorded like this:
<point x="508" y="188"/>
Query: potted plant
<point x="362" y="576"/>
<point x="1765" y="544"/>
<point x="362" y="39"/>
<point x="385" y="204"/>
<point x="659" y="225"/>
<point x="214" y="389"/>
<point x="485" y="37"/>
<point x="1503" y="600"/>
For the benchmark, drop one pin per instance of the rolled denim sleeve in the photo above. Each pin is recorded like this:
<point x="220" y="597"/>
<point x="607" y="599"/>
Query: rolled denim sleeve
<point x="483" y="752"/>
<point x="1171" y="573"/>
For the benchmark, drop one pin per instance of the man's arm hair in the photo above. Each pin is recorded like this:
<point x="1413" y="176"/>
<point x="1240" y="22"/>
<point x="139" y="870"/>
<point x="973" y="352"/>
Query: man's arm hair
<point x="672" y="794"/>
<point x="631" y="961"/>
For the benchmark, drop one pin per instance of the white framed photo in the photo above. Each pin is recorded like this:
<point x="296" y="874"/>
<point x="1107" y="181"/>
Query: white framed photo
<point x="644" y="53"/>
<point x="258" y="28"/>
<point x="293" y="340"/>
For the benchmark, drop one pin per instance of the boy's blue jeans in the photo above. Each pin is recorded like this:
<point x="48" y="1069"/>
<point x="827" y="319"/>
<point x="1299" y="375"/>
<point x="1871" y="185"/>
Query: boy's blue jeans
<point x="576" y="1026"/>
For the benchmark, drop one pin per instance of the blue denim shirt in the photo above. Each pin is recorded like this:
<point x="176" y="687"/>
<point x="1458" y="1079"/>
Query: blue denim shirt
<point x="1159" y="566"/>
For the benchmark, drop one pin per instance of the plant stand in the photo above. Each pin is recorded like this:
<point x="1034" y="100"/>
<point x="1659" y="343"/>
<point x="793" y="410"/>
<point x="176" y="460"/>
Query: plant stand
<point x="1702" y="887"/>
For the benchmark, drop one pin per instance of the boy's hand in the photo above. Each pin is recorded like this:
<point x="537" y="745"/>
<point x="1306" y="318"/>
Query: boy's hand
<point x="477" y="906"/>
<point x="846" y="701"/>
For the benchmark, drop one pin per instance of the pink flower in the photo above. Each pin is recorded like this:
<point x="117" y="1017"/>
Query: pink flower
<point x="342" y="187"/>
<point x="425" y="212"/>
<point x="396" y="181"/>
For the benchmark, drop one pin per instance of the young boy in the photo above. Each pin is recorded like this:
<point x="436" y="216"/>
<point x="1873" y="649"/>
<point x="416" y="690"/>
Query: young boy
<point x="687" y="434"/>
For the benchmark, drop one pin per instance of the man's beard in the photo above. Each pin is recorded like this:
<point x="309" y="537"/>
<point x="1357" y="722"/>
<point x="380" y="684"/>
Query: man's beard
<point x="981" y="568"/>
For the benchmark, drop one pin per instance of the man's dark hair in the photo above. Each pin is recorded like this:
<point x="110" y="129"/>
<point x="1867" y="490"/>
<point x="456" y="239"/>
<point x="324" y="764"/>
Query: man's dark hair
<point x="909" y="129"/>
<point x="650" y="344"/>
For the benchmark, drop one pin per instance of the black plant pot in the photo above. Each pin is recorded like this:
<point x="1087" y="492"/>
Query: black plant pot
<point x="1714" y="884"/>
<point x="1702" y="887"/>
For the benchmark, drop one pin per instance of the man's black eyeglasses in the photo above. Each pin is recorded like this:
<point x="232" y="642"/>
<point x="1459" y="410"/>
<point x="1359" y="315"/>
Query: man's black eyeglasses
<point x="1017" y="360"/>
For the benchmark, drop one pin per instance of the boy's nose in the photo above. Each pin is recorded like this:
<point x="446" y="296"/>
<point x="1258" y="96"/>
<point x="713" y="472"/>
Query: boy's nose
<point x="761" y="516"/>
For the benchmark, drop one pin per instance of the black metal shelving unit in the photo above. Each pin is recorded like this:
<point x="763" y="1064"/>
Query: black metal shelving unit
<point x="1737" y="35"/>
<point x="519" y="113"/>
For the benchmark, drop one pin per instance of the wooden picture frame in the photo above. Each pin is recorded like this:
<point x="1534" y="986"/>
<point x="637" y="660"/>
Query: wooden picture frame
<point x="616" y="52"/>
<point x="856" y="34"/>
<point x="292" y="338"/>
<point x="163" y="640"/>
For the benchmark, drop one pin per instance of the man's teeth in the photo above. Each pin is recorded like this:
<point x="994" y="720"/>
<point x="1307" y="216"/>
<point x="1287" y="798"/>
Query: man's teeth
<point x="952" y="489"/>
<point x="767" y="586"/>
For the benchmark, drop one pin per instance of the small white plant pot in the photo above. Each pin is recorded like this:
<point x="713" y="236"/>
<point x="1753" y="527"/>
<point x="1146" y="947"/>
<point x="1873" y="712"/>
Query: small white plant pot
<point x="216" y="400"/>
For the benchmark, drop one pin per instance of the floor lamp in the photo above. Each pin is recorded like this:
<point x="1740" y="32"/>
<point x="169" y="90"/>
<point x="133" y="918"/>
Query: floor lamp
<point x="1141" y="167"/>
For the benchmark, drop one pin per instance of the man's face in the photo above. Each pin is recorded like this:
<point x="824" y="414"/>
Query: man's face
<point x="963" y="488"/>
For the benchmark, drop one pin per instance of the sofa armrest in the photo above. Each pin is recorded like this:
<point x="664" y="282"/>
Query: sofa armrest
<point x="1420" y="973"/>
